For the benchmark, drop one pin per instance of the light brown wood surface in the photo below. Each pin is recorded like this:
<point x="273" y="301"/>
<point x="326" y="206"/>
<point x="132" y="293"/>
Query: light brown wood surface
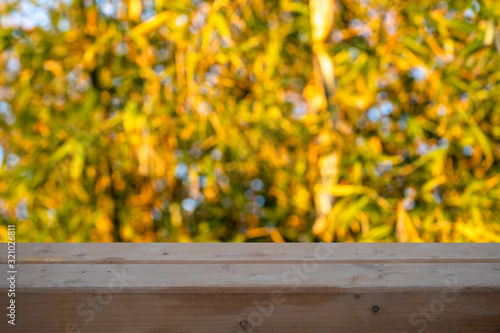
<point x="98" y="253"/>
<point x="255" y="288"/>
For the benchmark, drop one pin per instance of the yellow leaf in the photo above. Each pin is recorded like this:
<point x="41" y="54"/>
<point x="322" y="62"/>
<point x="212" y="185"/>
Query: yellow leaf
<point x="257" y="232"/>
<point x="484" y="143"/>
<point x="375" y="144"/>
<point x="344" y="190"/>
<point x="489" y="35"/>
<point x="320" y="225"/>
<point x="54" y="67"/>
<point x="152" y="23"/>
<point x="223" y="28"/>
<point x="430" y="185"/>
<point x="405" y="230"/>
<point x="327" y="72"/>
<point x="134" y="10"/>
<point x="276" y="236"/>
<point x="176" y="216"/>
<point x="321" y="18"/>
<point x="78" y="162"/>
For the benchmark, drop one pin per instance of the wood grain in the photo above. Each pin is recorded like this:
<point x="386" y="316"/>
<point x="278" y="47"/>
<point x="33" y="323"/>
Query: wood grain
<point x="255" y="288"/>
<point x="172" y="253"/>
<point x="255" y="278"/>
<point x="220" y="313"/>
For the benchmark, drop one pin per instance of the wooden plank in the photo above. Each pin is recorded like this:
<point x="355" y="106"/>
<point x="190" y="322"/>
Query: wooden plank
<point x="255" y="288"/>
<point x="220" y="313"/>
<point x="178" y="253"/>
<point x="255" y="278"/>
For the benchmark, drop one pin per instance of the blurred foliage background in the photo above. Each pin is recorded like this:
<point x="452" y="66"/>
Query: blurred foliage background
<point x="250" y="120"/>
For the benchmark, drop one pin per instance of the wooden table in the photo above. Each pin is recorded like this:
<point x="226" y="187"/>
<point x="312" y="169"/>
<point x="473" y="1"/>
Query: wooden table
<point x="254" y="287"/>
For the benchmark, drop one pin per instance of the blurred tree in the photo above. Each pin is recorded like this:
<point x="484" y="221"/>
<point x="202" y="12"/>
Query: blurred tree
<point x="250" y="120"/>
